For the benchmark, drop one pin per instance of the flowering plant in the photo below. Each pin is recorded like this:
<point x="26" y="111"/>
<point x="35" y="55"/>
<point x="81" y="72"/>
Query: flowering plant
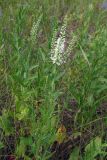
<point x="60" y="51"/>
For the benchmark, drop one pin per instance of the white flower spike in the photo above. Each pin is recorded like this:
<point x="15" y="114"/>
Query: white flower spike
<point x="59" y="51"/>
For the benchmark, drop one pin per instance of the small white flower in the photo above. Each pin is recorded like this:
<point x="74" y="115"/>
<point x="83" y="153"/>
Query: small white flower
<point x="34" y="29"/>
<point x="60" y="52"/>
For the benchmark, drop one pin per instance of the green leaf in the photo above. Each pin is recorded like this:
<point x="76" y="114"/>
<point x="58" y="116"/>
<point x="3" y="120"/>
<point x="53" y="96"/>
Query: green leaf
<point x="21" y="147"/>
<point x="60" y="75"/>
<point x="23" y="114"/>
<point x="93" y="149"/>
<point x="85" y="56"/>
<point x="5" y="123"/>
<point x="33" y="67"/>
<point x="75" y="154"/>
<point x="1" y="145"/>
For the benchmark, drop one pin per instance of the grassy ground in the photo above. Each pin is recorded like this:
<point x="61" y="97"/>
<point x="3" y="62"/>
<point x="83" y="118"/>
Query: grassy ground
<point x="50" y="111"/>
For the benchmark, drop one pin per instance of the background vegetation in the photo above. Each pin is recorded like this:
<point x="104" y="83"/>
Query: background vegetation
<point x="36" y="95"/>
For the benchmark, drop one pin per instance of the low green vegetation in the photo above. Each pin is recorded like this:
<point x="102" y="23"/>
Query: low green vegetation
<point x="53" y="79"/>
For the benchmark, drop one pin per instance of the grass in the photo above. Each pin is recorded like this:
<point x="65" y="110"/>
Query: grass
<point x="34" y="92"/>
